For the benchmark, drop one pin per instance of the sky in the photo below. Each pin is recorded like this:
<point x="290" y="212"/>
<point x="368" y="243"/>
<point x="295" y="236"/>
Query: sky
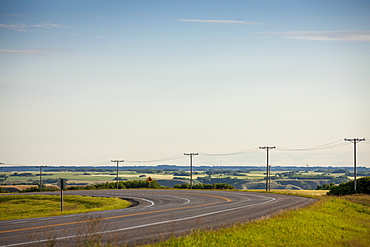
<point x="86" y="82"/>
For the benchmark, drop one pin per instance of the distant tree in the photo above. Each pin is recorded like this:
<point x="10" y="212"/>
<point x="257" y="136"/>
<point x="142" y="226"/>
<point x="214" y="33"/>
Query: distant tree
<point x="222" y="186"/>
<point x="180" y="178"/>
<point x="359" y="173"/>
<point x="3" y="178"/>
<point x="121" y="185"/>
<point x="341" y="179"/>
<point x="340" y="171"/>
<point x="182" y="186"/>
<point x="325" y="186"/>
<point x="362" y="187"/>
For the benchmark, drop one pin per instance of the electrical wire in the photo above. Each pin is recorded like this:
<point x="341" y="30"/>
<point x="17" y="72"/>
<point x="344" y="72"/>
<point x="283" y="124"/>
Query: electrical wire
<point x="251" y="150"/>
<point x="335" y="144"/>
<point x="101" y="163"/>
<point x="156" y="160"/>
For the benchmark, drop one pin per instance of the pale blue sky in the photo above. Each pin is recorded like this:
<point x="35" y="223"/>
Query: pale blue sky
<point x="83" y="82"/>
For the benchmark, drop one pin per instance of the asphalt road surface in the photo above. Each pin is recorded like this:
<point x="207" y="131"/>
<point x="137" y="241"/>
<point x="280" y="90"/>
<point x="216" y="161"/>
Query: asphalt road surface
<point x="157" y="215"/>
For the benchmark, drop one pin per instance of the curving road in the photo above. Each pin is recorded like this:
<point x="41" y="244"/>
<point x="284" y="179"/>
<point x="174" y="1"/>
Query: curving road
<point x="157" y="215"/>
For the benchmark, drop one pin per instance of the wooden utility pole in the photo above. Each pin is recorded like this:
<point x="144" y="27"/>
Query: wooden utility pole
<point x="40" y="176"/>
<point x="354" y="141"/>
<point x="117" y="161"/>
<point x="191" y="167"/>
<point x="267" y="167"/>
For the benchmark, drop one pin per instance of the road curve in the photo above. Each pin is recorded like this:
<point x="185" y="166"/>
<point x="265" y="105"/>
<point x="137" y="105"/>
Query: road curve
<point x="157" y="215"/>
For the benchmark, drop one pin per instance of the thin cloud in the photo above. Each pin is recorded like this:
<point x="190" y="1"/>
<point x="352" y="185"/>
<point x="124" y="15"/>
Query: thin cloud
<point x="48" y="25"/>
<point x="221" y="21"/>
<point x="326" y="35"/>
<point x="27" y="52"/>
<point x="25" y="28"/>
<point x="15" y="27"/>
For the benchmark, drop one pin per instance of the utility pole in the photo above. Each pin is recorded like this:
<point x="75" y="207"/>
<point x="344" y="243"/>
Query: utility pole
<point x="40" y="176"/>
<point x="191" y="167"/>
<point x="354" y="141"/>
<point x="267" y="167"/>
<point x="2" y="182"/>
<point x="117" y="161"/>
<point x="269" y="177"/>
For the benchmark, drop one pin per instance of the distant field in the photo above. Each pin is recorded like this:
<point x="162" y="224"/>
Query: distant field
<point x="83" y="178"/>
<point x="102" y="177"/>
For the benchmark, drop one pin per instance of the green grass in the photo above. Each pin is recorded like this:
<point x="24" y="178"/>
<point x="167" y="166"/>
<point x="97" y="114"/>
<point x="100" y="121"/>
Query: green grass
<point x="332" y="221"/>
<point x="34" y="206"/>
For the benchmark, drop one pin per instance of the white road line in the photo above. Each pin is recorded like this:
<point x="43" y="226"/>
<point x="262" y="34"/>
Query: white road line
<point x="151" y="202"/>
<point x="178" y="197"/>
<point x="140" y="226"/>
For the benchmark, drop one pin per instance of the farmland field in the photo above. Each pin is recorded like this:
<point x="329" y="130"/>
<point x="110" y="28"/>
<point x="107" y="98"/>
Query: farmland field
<point x="252" y="179"/>
<point x="102" y="177"/>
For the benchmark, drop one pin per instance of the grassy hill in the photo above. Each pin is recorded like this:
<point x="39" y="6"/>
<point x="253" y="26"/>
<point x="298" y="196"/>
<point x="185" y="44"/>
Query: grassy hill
<point x="332" y="221"/>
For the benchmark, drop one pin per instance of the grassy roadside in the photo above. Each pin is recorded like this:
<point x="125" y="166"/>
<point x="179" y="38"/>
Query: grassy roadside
<point x="35" y="206"/>
<point x="332" y="221"/>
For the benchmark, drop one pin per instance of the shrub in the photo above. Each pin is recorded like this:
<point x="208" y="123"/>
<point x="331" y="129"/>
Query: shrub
<point x="223" y="186"/>
<point x="37" y="189"/>
<point x="121" y="185"/>
<point x="201" y="186"/>
<point x="325" y="186"/>
<point x="362" y="187"/>
<point x="182" y="186"/>
<point x="141" y="184"/>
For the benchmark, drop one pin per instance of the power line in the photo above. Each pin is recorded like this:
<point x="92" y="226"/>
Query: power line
<point x="330" y="145"/>
<point x="100" y="163"/>
<point x="367" y="143"/>
<point x="191" y="167"/>
<point x="156" y="160"/>
<point x="251" y="150"/>
<point x="354" y="141"/>
<point x="335" y="144"/>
